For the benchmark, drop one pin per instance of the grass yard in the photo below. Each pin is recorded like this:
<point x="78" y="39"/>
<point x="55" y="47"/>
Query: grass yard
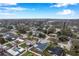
<point x="28" y="54"/>
<point x="23" y="45"/>
<point x="8" y="45"/>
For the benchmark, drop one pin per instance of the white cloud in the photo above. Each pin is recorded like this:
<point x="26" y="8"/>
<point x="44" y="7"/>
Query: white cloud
<point x="40" y="1"/>
<point x="7" y="4"/>
<point x="66" y="12"/>
<point x="15" y="8"/>
<point x="13" y="11"/>
<point x="11" y="2"/>
<point x="63" y="4"/>
<point x="7" y="14"/>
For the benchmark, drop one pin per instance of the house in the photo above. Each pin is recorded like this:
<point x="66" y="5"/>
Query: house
<point x="40" y="40"/>
<point x="23" y="35"/>
<point x="40" y="46"/>
<point x="35" y="33"/>
<point x="3" y="50"/>
<point x="28" y="42"/>
<point x="10" y="36"/>
<point x="4" y="30"/>
<point x="15" y="51"/>
<point x="57" y="51"/>
<point x="19" y="39"/>
<point x="58" y="29"/>
<point x="53" y="35"/>
<point x="66" y="45"/>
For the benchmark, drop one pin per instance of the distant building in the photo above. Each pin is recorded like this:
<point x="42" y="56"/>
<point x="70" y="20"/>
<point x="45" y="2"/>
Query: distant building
<point x="4" y="30"/>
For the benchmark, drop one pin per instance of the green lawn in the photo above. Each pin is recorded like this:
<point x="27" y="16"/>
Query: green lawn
<point x="23" y="45"/>
<point x="8" y="45"/>
<point x="28" y="54"/>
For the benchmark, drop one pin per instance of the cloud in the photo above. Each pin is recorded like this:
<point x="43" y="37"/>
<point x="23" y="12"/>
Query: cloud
<point x="62" y="4"/>
<point x="19" y="8"/>
<point x="7" y="4"/>
<point x="7" y="14"/>
<point x="66" y="12"/>
<point x="15" y="8"/>
<point x="11" y="2"/>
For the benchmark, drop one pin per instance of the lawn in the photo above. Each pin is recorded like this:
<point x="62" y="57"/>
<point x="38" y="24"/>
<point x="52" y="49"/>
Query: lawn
<point x="28" y="54"/>
<point x="8" y="45"/>
<point x="23" y="45"/>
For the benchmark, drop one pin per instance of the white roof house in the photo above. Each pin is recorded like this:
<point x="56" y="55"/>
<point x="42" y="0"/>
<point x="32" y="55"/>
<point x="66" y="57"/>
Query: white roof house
<point x="43" y="41"/>
<point x="15" y="51"/>
<point x="20" y="40"/>
<point x="12" y="52"/>
<point x="28" y="42"/>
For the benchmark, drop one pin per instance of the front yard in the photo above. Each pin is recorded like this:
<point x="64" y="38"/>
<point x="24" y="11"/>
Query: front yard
<point x="9" y="45"/>
<point x="28" y="54"/>
<point x="23" y="45"/>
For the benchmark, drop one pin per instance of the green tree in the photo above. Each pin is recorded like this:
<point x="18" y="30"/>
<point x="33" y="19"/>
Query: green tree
<point x="51" y="30"/>
<point x="22" y="28"/>
<point x="75" y="48"/>
<point x="41" y="35"/>
<point x="2" y="41"/>
<point x="63" y="38"/>
<point x="10" y="27"/>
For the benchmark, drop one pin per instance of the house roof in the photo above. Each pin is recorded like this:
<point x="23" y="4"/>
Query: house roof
<point x="57" y="50"/>
<point x="15" y="51"/>
<point x="43" y="41"/>
<point x="41" y="46"/>
<point x="10" y="35"/>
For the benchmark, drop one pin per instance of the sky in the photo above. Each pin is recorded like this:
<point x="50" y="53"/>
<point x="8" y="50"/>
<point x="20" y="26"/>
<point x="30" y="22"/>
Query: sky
<point x="39" y="10"/>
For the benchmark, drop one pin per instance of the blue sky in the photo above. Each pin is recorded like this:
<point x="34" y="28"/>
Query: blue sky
<point x="39" y="10"/>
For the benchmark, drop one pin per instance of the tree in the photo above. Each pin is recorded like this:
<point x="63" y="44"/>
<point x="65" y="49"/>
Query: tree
<point x="63" y="38"/>
<point x="51" y="30"/>
<point x="10" y="27"/>
<point x="75" y="47"/>
<point x="2" y="41"/>
<point x="22" y="28"/>
<point x="41" y="35"/>
<point x="1" y="50"/>
<point x="66" y="30"/>
<point x="30" y="33"/>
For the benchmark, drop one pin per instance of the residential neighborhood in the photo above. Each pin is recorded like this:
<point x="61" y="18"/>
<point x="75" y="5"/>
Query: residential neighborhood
<point x="39" y="37"/>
